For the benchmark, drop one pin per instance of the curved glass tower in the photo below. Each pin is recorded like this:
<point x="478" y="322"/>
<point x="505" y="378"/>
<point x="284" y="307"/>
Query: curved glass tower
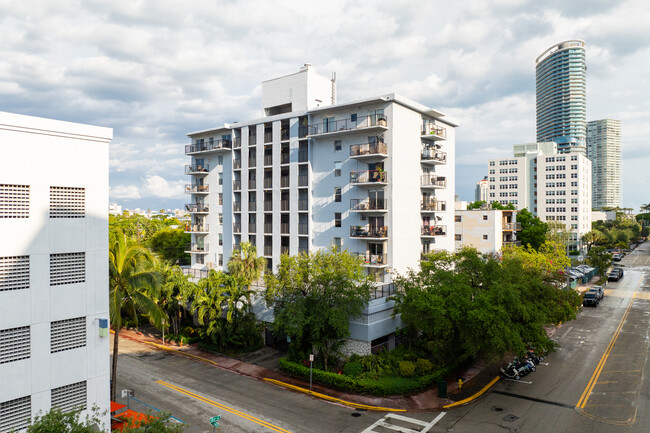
<point x="560" y="78"/>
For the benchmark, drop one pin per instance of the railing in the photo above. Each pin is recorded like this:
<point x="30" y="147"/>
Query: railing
<point x="433" y="230"/>
<point x="367" y="149"/>
<point x="252" y="140"/>
<point x="196" y="168"/>
<point x="512" y="226"/>
<point x="268" y="228"/>
<point x="303" y="228"/>
<point x="236" y="185"/>
<point x="303" y="180"/>
<point x="284" y="250"/>
<point x="236" y="142"/>
<point x="252" y="228"/>
<point x="268" y="250"/>
<point x="236" y="164"/>
<point x="347" y="124"/>
<point x="303" y="250"/>
<point x="303" y="131"/>
<point x="284" y="205"/>
<point x="433" y="180"/>
<point x="236" y="206"/>
<point x="197" y="207"/>
<point x="210" y="145"/>
<point x="368" y="176"/>
<point x="303" y="204"/>
<point x="284" y="228"/>
<point x="373" y="259"/>
<point x="252" y="161"/>
<point x="383" y="291"/>
<point x="368" y="232"/>
<point x="433" y="205"/>
<point x="196" y="273"/>
<point x="284" y="134"/>
<point x="252" y="184"/>
<point x="368" y="204"/>
<point x="236" y="227"/>
<point x="268" y="182"/>
<point x="268" y="206"/>
<point x="434" y="155"/>
<point x="196" y="189"/>
<point x="431" y="129"/>
<point x="252" y="206"/>
<point x="285" y="158"/>
<point x="516" y="243"/>
<point x="204" y="248"/>
<point x="195" y="228"/>
<point x="268" y="159"/>
<point x="284" y="182"/>
<point x="268" y="137"/>
<point x="302" y="156"/>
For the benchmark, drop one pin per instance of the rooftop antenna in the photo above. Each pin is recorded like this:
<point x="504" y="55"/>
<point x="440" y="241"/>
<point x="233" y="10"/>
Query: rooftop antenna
<point x="333" y="88"/>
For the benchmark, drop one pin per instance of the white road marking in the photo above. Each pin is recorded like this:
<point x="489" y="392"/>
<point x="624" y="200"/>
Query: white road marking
<point x="519" y="381"/>
<point x="385" y="423"/>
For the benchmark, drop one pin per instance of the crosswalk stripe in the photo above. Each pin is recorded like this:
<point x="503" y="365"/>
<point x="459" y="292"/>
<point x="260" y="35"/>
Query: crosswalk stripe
<point x="384" y="423"/>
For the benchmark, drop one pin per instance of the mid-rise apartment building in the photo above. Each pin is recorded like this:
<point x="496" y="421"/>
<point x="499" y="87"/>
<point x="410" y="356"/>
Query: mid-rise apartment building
<point x="53" y="268"/>
<point x="487" y="230"/>
<point x="374" y="176"/>
<point x="604" y="151"/>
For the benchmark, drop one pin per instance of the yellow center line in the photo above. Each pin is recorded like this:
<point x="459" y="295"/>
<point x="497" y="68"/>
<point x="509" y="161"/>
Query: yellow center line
<point x="601" y="364"/>
<point x="223" y="407"/>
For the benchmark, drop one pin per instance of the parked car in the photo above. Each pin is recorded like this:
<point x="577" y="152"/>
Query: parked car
<point x="617" y="257"/>
<point x="614" y="276"/>
<point x="620" y="272"/>
<point x="599" y="291"/>
<point x="591" y="298"/>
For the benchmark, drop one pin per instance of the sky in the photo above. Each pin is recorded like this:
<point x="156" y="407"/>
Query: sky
<point x="155" y="70"/>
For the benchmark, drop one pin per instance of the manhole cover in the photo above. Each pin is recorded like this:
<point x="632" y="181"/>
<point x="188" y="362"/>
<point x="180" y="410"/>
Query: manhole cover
<point x="497" y="408"/>
<point x="510" y="418"/>
<point x="356" y="414"/>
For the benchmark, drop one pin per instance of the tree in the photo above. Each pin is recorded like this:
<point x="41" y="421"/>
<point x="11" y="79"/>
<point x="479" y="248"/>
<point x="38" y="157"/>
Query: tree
<point x="475" y="204"/>
<point x="170" y="245"/>
<point x="592" y="237"/>
<point x="598" y="257"/>
<point x="57" y="421"/>
<point x="245" y="264"/>
<point x="497" y="205"/>
<point x="133" y="284"/>
<point x="175" y="294"/>
<point x="550" y="260"/>
<point x="314" y="296"/>
<point x="533" y="230"/>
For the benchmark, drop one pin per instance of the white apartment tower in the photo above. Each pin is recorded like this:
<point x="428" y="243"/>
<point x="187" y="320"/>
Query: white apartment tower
<point x="53" y="268"/>
<point x="482" y="190"/>
<point x="604" y="151"/>
<point x="552" y="186"/>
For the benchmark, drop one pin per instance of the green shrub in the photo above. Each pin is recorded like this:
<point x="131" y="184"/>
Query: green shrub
<point x="352" y="368"/>
<point x="406" y="369"/>
<point x="423" y="367"/>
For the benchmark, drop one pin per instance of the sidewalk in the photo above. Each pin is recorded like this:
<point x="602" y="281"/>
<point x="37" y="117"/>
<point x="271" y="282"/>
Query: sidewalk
<point x="473" y="378"/>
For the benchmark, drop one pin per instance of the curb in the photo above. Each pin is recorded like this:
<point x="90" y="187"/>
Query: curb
<point x="475" y="396"/>
<point x="179" y="352"/>
<point x="333" y="399"/>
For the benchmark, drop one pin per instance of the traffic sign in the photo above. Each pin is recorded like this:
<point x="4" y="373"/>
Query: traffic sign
<point x="215" y="421"/>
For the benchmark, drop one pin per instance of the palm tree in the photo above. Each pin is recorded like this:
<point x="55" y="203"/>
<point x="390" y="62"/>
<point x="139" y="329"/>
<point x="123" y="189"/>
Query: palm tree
<point x="246" y="266"/>
<point x="133" y="280"/>
<point x="645" y="207"/>
<point x="176" y="291"/>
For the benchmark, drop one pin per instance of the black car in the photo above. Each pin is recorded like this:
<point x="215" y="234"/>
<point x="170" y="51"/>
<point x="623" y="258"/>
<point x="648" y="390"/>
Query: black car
<point x="614" y="276"/>
<point x="591" y="298"/>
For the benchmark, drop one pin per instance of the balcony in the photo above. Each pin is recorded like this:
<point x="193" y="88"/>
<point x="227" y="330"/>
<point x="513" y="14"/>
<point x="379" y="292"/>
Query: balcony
<point x="428" y="231"/>
<point x="268" y="182"/>
<point x="252" y="228"/>
<point x="378" y="260"/>
<point x="369" y="152"/>
<point x="197" y="208"/>
<point x="433" y="156"/>
<point x="252" y="140"/>
<point x="196" y="189"/>
<point x="236" y="227"/>
<point x="285" y="158"/>
<point x="236" y="164"/>
<point x="284" y="250"/>
<point x="303" y="180"/>
<point x="268" y="160"/>
<point x="512" y="226"/>
<point x="268" y="250"/>
<point x="383" y="291"/>
<point x="368" y="232"/>
<point x="197" y="248"/>
<point x="236" y="185"/>
<point x="433" y="181"/>
<point x="252" y="206"/>
<point x="197" y="169"/>
<point x="236" y="206"/>
<point x="376" y="122"/>
<point x="303" y="229"/>
<point x="433" y="206"/>
<point x="284" y="205"/>
<point x="284" y="134"/>
<point x="268" y="228"/>
<point x="209" y="146"/>
<point x="515" y="243"/>
<point x="303" y="204"/>
<point x="284" y="182"/>
<point x="433" y="132"/>
<point x="268" y="137"/>
<point x="368" y="177"/>
<point x="268" y="206"/>
<point x="302" y="156"/>
<point x="252" y="184"/>
<point x="369" y="205"/>
<point x="197" y="228"/>
<point x="303" y="250"/>
<point x="236" y="142"/>
<point x="284" y="228"/>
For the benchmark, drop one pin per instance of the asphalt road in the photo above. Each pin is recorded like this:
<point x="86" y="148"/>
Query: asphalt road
<point x="596" y="382"/>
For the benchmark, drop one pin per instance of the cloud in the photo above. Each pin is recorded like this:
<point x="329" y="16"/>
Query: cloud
<point x="150" y="186"/>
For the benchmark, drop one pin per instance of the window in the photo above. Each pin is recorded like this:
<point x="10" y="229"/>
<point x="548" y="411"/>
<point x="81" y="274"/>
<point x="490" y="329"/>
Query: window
<point x="491" y="171"/>
<point x="69" y="397"/>
<point x="67" y="202"/>
<point x="220" y="218"/>
<point x="485" y="217"/>
<point x="491" y="163"/>
<point x="574" y="166"/>
<point x="337" y="219"/>
<point x="485" y="237"/>
<point x="338" y="243"/>
<point x="220" y="260"/>
<point x="14" y="344"/>
<point x="14" y="201"/>
<point x="220" y="239"/>
<point x="220" y="178"/>
<point x="458" y="238"/>
<point x="220" y="198"/>
<point x="67" y="334"/>
<point x="337" y="168"/>
<point x="67" y="268"/>
<point x="337" y="194"/>
<point x="14" y="273"/>
<point x="337" y="145"/>
<point x="353" y="118"/>
<point x="220" y="160"/>
<point x="458" y="218"/>
<point x="16" y="414"/>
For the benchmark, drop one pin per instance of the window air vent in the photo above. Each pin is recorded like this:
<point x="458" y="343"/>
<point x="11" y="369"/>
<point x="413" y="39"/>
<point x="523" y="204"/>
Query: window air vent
<point x="67" y="202"/>
<point x="67" y="268"/>
<point x="70" y="397"/>
<point x="14" y="344"/>
<point x="14" y="201"/>
<point x="14" y="273"/>
<point x="15" y="414"/>
<point x="67" y="334"/>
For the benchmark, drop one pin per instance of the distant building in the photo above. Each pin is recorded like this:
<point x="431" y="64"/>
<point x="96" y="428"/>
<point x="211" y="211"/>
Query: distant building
<point x="486" y="230"/>
<point x="561" y="101"/>
<point x="54" y="345"/>
<point x="604" y="151"/>
<point x="482" y="190"/>
<point x="114" y="209"/>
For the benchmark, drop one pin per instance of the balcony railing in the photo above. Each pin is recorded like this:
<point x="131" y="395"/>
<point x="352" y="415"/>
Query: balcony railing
<point x="303" y="228"/>
<point x="268" y="160"/>
<point x="252" y="206"/>
<point x="268" y="228"/>
<point x="434" y="155"/>
<point x="236" y="206"/>
<point x="268" y="250"/>
<point x="368" y="232"/>
<point x="347" y="124"/>
<point x="284" y="250"/>
<point x="368" y="176"/>
<point x="368" y="204"/>
<point x="373" y="259"/>
<point x="236" y="142"/>
<point x="252" y="184"/>
<point x="383" y="291"/>
<point x="236" y="227"/>
<point x="284" y="205"/>
<point x="368" y="149"/>
<point x="268" y="206"/>
<point x="302" y="156"/>
<point x="303" y="204"/>
<point x="196" y="273"/>
<point x="197" y="168"/>
<point x="252" y="228"/>
<point x="284" y="182"/>
<point x="433" y="181"/>
<point x="433" y="205"/>
<point x="434" y="230"/>
<point x="208" y="146"/>
<point x="236" y="164"/>
<point x="236" y="185"/>
<point x="284" y="228"/>
<point x="197" y="207"/>
<point x="196" y="189"/>
<point x="512" y="226"/>
<point x="284" y="134"/>
<point x="197" y="228"/>
<point x="252" y="140"/>
<point x="268" y="137"/>
<point x="516" y="243"/>
<point x="285" y="158"/>
<point x="434" y="130"/>
<point x="303" y="250"/>
<point x="197" y="248"/>
<point x="303" y="180"/>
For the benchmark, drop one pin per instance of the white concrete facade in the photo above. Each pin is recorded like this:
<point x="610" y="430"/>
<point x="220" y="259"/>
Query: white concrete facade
<point x="486" y="230"/>
<point x="53" y="267"/>
<point x="604" y="151"/>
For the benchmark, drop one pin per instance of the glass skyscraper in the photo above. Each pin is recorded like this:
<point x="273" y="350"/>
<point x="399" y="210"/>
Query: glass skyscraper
<point x="560" y="78"/>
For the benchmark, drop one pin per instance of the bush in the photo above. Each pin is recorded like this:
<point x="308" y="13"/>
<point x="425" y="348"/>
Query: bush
<point x="406" y="369"/>
<point x="423" y="367"/>
<point x="352" y="368"/>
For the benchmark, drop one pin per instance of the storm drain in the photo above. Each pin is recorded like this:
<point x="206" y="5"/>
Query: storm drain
<point x="497" y="408"/>
<point x="510" y="418"/>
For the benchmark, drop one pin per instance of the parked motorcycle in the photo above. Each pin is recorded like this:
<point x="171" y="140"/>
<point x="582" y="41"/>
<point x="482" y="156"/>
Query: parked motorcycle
<point x="510" y="372"/>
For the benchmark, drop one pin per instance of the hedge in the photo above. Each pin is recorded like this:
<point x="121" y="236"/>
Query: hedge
<point x="383" y="386"/>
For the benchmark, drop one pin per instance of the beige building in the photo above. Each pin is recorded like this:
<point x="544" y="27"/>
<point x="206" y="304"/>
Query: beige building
<point x="486" y="230"/>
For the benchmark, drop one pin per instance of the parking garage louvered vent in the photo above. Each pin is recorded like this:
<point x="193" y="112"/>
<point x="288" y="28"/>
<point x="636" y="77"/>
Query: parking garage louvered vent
<point x="15" y="414"/>
<point x="67" y="334"/>
<point x="14" y="273"/>
<point x="14" y="201"/>
<point x="14" y="344"/>
<point x="67" y="202"/>
<point x="70" y="397"/>
<point x="67" y="268"/>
